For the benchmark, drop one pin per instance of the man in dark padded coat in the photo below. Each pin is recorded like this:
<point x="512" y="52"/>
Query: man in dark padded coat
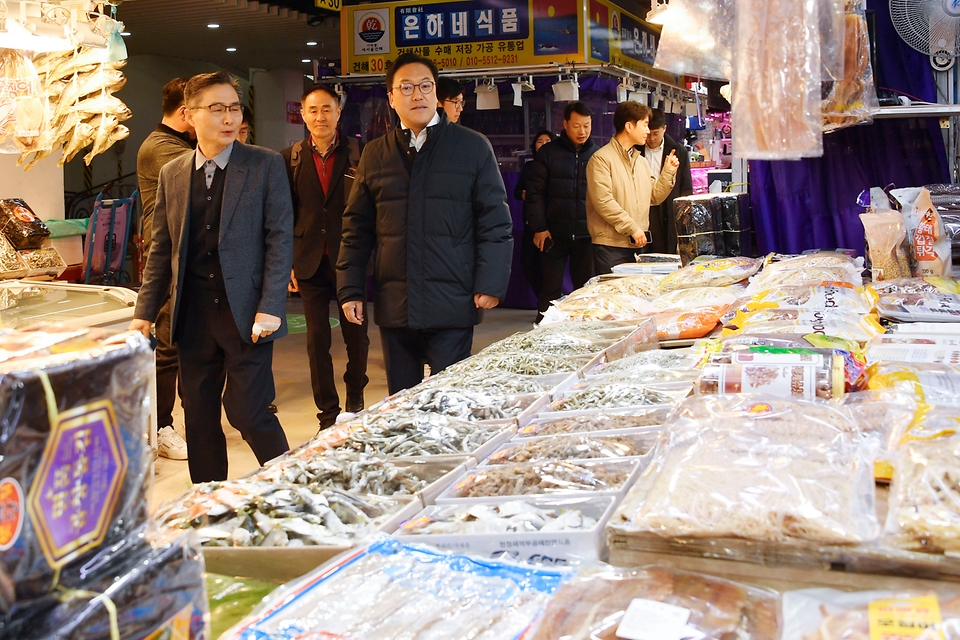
<point x="429" y="198"/>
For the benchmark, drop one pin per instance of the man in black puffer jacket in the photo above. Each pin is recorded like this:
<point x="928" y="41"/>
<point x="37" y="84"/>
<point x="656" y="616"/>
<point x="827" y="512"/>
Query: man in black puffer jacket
<point x="556" y="205"/>
<point x="429" y="198"/>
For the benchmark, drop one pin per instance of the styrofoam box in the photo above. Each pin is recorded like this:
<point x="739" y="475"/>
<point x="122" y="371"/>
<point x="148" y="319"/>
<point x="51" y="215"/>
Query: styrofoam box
<point x="640" y="436"/>
<point x="552" y="548"/>
<point x="636" y="466"/>
<point x="528" y="431"/>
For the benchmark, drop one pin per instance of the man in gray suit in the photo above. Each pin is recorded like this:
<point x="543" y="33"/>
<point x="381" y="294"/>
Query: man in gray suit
<point x="223" y="235"/>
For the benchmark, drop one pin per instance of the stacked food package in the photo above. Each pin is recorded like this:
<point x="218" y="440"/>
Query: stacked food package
<point x="77" y="555"/>
<point x="22" y="236"/>
<point x="717" y="224"/>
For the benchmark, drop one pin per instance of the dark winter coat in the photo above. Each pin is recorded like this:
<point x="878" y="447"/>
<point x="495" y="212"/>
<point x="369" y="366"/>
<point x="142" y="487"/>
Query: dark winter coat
<point x="557" y="189"/>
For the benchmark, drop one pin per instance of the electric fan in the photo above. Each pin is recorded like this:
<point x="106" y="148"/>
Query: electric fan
<point x="931" y="27"/>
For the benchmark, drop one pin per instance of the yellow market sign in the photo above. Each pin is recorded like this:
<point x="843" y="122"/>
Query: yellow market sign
<point x="329" y="5"/>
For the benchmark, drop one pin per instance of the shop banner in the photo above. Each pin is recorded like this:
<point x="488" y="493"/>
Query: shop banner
<point x="329" y="5"/>
<point x="471" y="34"/>
<point x="622" y="39"/>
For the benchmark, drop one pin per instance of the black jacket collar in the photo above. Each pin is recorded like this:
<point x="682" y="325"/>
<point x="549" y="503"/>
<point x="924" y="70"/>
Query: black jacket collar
<point x="185" y="136"/>
<point x="568" y="143"/>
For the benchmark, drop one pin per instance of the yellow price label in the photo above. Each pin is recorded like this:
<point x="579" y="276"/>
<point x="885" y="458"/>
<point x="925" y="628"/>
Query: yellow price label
<point x="904" y="619"/>
<point x="329" y="5"/>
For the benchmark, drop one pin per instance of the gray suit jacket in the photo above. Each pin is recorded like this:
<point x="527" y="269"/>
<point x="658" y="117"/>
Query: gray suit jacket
<point x="256" y="238"/>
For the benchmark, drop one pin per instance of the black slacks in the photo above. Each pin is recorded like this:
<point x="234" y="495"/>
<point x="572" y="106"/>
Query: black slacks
<point x="168" y="366"/>
<point x="530" y="261"/>
<point x="606" y="258"/>
<point x="554" y="262"/>
<point x="217" y="366"/>
<point x="316" y="292"/>
<point x="405" y="351"/>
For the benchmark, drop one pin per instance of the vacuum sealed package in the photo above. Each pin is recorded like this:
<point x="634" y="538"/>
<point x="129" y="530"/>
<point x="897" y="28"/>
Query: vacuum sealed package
<point x="701" y="48"/>
<point x="24" y="111"/>
<point x="759" y="468"/>
<point x="931" y="244"/>
<point x="830" y="296"/>
<point x="839" y="324"/>
<point x="586" y="306"/>
<point x="712" y="273"/>
<point x="828" y="614"/>
<point x="920" y="307"/>
<point x="851" y="97"/>
<point x="20" y="225"/>
<point x="776" y="109"/>
<point x="638" y="286"/>
<point x="392" y="590"/>
<point x="694" y="298"/>
<point x="74" y="455"/>
<point x="657" y="602"/>
<point x="884" y="416"/>
<point x="886" y="232"/>
<point x="154" y="584"/>
<point x="915" y="285"/>
<point x="699" y="232"/>
<point x="934" y="384"/>
<point x="808" y="270"/>
<point x="797" y="374"/>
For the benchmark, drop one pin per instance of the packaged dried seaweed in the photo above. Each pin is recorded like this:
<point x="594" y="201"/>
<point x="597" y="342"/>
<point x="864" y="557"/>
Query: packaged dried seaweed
<point x="20" y="225"/>
<point x="764" y="469"/>
<point x="73" y="456"/>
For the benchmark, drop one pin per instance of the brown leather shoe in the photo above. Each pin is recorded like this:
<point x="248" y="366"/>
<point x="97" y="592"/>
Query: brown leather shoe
<point x="354" y="402"/>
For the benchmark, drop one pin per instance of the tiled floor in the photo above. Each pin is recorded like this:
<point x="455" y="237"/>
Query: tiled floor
<point x="296" y="409"/>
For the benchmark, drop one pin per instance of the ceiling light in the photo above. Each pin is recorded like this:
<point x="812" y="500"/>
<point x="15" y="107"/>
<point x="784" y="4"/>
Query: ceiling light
<point x="14" y="35"/>
<point x="124" y="33"/>
<point x="659" y="14"/>
<point x="231" y="49"/>
<point x="305" y="60"/>
<point x="213" y="25"/>
<point x="311" y="44"/>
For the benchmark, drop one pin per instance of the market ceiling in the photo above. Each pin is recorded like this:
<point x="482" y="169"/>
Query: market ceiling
<point x="262" y="35"/>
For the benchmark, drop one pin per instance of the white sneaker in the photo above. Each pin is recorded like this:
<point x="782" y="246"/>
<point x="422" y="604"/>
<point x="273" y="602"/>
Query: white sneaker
<point x="170" y="445"/>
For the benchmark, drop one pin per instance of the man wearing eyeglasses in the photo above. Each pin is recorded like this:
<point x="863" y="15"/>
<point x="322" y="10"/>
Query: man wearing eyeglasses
<point x="450" y="98"/>
<point x="223" y="236"/>
<point x="429" y="197"/>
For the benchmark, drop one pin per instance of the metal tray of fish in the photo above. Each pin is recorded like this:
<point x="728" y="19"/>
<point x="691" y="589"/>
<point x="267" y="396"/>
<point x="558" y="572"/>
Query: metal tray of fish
<point x="550" y="477"/>
<point x="595" y="421"/>
<point x="553" y="531"/>
<point x="628" y="443"/>
<point x="254" y="513"/>
<point x="468" y="405"/>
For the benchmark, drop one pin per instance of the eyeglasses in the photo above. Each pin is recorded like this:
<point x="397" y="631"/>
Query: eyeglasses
<point x="456" y="103"/>
<point x="407" y="88"/>
<point x="218" y="109"/>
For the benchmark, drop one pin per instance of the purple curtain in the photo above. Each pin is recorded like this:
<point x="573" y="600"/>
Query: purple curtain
<point x="811" y="203"/>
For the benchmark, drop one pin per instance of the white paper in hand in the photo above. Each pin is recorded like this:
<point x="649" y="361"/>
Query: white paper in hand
<point x="652" y="620"/>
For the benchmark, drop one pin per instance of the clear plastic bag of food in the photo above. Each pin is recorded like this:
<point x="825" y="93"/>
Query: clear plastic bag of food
<point x="713" y="273"/>
<point x="806" y="375"/>
<point x="885" y="417"/>
<point x="20" y="225"/>
<point x="24" y="111"/>
<point x="915" y="285"/>
<point x="760" y="468"/>
<point x="692" y="298"/>
<point x="920" y="307"/>
<point x="776" y="110"/>
<point x="688" y="325"/>
<point x="698" y="39"/>
<point x="850" y="97"/>
<point x="660" y="602"/>
<point x="546" y="477"/>
<point x="807" y="277"/>
<point x="931" y="244"/>
<point x="815" y="260"/>
<point x="390" y="590"/>
<point x="572" y="447"/>
<point x="934" y="384"/>
<point x="231" y="599"/>
<point x="828" y="614"/>
<point x="593" y="422"/>
<point x="584" y="305"/>
<point x="839" y="324"/>
<point x="831" y="296"/>
<point x="885" y="232"/>
<point x="638" y="286"/>
<point x="651" y="376"/>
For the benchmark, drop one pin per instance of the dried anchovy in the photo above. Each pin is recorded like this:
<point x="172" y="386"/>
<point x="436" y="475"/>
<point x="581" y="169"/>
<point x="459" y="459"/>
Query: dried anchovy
<point x="650" y="375"/>
<point x="43" y="258"/>
<point x="11" y="264"/>
<point x="575" y="447"/>
<point x="564" y="339"/>
<point x="490" y="381"/>
<point x="596" y="422"/>
<point x="520" y="363"/>
<point x="417" y="433"/>
<point x="533" y="478"/>
<point x="516" y="516"/>
<point x="247" y="513"/>
<point x="615" y="395"/>
<point x="656" y="358"/>
<point x="468" y="405"/>
<point x="347" y="471"/>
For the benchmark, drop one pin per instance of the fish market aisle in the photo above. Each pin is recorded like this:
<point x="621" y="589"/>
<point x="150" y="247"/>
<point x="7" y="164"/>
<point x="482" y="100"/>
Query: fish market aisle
<point x="295" y="406"/>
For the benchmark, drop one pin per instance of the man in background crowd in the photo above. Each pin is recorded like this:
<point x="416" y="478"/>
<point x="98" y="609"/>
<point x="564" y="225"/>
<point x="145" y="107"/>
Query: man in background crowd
<point x="620" y="189"/>
<point x="450" y="98"/>
<point x="243" y="134"/>
<point x="556" y="205"/>
<point x="663" y="223"/>
<point x="172" y="138"/>
<point x="529" y="252"/>
<point x="429" y="197"/>
<point x="321" y="169"/>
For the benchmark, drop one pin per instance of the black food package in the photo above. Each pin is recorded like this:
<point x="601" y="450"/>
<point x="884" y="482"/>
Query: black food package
<point x="697" y="233"/>
<point x="74" y="455"/>
<point x="154" y="581"/>
<point x="21" y="225"/>
<point x="737" y="223"/>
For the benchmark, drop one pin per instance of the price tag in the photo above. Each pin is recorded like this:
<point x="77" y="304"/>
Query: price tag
<point x="652" y="620"/>
<point x="903" y="619"/>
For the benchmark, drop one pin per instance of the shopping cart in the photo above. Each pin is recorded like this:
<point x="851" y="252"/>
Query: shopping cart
<point x="105" y="248"/>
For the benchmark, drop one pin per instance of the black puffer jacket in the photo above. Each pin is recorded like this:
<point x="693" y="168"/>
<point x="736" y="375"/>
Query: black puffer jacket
<point x="557" y="189"/>
<point x="440" y="224"/>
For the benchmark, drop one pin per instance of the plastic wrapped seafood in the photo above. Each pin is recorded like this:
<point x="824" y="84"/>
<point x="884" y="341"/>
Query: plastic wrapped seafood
<point x="346" y="471"/>
<point x="639" y="286"/>
<point x="20" y="224"/>
<point x="757" y="468"/>
<point x="254" y="513"/>
<point x="465" y="404"/>
<point x="688" y="324"/>
<point x="515" y="516"/>
<point x="915" y="285"/>
<point x="583" y="305"/>
<point x="810" y="276"/>
<point x="389" y="590"/>
<point x="828" y="614"/>
<point x="416" y="433"/>
<point x="606" y="602"/>
<point x="713" y="273"/>
<point x="522" y="363"/>
<point x="593" y="422"/>
<point x="694" y="298"/>
<point x="609" y="394"/>
<point x="572" y="447"/>
<point x="846" y="326"/>
<point x="24" y="110"/>
<point x="564" y="339"/>
<point x="653" y="359"/>
<point x="920" y="307"/>
<point x="831" y="296"/>
<point x="850" y="98"/>
<point x="154" y="582"/>
<point x="934" y="384"/>
<point x="549" y="477"/>
<point x="74" y="453"/>
<point x="490" y="380"/>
